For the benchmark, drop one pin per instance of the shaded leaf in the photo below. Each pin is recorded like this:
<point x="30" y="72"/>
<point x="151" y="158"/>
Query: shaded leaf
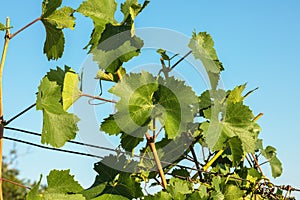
<point x="270" y="154"/>
<point x="54" y="21"/>
<point x="55" y="41"/>
<point x="235" y="145"/>
<point x="113" y="52"/>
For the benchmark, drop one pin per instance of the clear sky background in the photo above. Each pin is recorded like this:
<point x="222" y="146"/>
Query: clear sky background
<point x="257" y="41"/>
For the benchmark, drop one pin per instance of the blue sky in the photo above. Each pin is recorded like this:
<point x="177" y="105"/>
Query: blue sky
<point x="257" y="41"/>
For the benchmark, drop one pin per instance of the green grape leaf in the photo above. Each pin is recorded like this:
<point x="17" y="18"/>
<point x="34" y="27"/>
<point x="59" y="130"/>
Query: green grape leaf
<point x="58" y="125"/>
<point x="107" y="76"/>
<point x="270" y="154"/>
<point x="175" y="107"/>
<point x="134" y="108"/>
<point x="112" y="171"/>
<point x="235" y="145"/>
<point x="54" y="21"/>
<point x="60" y="181"/>
<point x="70" y="91"/>
<point x="236" y="122"/>
<point x="202" y="47"/>
<point x="62" y="18"/>
<point x="61" y="186"/>
<point x="2" y="27"/>
<point x="58" y="196"/>
<point x="131" y="8"/>
<point x="58" y="75"/>
<point x="121" y="49"/>
<point x="110" y="197"/>
<point x="217" y="195"/>
<point x="129" y="142"/>
<point x="101" y="12"/>
<point x="49" y="6"/>
<point x="178" y="188"/>
<point x="127" y="186"/>
<point x="205" y="100"/>
<point x="33" y="194"/>
<point x="276" y="167"/>
<point x="236" y="94"/>
<point x="201" y="194"/>
<point x="112" y="43"/>
<point x="110" y="126"/>
<point x="55" y="41"/>
<point x="160" y="195"/>
<point x="233" y="192"/>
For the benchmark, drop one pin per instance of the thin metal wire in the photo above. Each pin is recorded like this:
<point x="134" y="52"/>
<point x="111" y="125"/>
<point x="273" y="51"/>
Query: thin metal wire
<point x="51" y="148"/>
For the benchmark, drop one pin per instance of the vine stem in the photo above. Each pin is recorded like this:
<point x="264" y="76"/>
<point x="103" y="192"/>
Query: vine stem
<point x="151" y="144"/>
<point x="196" y="161"/>
<point x="22" y="29"/>
<point x="98" y="98"/>
<point x="15" y="183"/>
<point x="6" y="41"/>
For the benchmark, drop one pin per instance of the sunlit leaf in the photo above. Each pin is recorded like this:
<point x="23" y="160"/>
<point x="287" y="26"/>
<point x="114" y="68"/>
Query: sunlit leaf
<point x="202" y="47"/>
<point x="70" y="91"/>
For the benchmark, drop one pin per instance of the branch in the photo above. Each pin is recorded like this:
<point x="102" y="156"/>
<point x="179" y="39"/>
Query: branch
<point x="15" y="183"/>
<point x="180" y="60"/>
<point x="6" y="42"/>
<point x="196" y="161"/>
<point x="151" y="144"/>
<point x="98" y="98"/>
<point x="11" y="36"/>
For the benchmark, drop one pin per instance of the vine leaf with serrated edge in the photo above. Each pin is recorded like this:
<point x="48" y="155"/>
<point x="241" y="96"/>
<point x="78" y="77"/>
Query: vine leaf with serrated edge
<point x="134" y="108"/>
<point x="61" y="185"/>
<point x="202" y="46"/>
<point x="113" y="178"/>
<point x="236" y="121"/>
<point x="271" y="155"/>
<point x="54" y="22"/>
<point x="59" y="126"/>
<point x="175" y="106"/>
<point x="112" y="43"/>
<point x="142" y="99"/>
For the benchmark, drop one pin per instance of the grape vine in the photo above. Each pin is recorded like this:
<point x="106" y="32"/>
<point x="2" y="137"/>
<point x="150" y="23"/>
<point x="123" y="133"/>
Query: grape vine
<point x="161" y="121"/>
